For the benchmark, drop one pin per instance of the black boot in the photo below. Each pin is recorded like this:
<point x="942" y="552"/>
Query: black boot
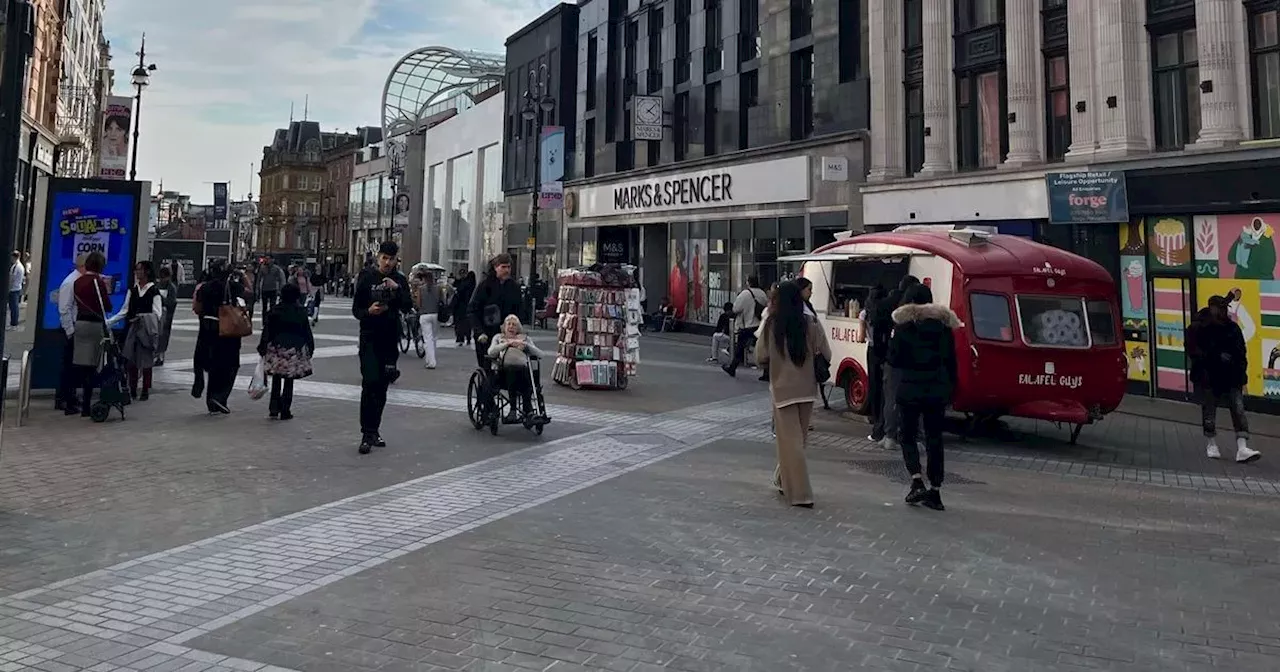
<point x="917" y="493"/>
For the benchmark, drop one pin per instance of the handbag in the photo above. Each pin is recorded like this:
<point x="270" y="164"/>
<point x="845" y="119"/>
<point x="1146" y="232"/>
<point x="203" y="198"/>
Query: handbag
<point x="821" y="368"/>
<point x="233" y="321"/>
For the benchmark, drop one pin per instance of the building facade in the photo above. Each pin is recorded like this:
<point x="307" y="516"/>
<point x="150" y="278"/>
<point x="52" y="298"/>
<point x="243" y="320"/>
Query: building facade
<point x="370" y="200"/>
<point x="291" y="189"/>
<point x="81" y="90"/>
<point x="979" y="103"/>
<point x="711" y="137"/>
<point x="335" y="231"/>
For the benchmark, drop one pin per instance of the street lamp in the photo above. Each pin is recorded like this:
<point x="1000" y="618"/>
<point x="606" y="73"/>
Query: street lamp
<point x="141" y="78"/>
<point x="538" y="105"/>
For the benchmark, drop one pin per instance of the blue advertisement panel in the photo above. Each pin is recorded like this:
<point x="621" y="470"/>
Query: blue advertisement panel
<point x="85" y="221"/>
<point x="1094" y="197"/>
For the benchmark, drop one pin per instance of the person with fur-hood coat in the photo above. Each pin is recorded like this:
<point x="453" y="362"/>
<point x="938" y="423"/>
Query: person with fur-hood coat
<point x="922" y="352"/>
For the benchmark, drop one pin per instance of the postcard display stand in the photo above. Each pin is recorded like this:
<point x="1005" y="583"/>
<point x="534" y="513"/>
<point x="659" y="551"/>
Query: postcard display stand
<point x="598" y="329"/>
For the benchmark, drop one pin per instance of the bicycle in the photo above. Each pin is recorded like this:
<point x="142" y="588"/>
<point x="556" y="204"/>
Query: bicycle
<point x="411" y="335"/>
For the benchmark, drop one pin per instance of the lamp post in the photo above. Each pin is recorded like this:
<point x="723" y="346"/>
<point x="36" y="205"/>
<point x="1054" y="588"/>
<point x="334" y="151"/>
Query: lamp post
<point x="538" y="104"/>
<point x="141" y="78"/>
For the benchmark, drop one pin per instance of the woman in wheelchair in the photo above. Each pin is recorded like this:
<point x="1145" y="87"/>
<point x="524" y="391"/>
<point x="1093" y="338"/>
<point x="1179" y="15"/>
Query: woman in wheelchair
<point x="511" y="350"/>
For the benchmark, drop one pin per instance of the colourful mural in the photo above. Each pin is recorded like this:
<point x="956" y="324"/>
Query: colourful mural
<point x="1168" y="244"/>
<point x="1251" y="252"/>
<point x="1171" y="303"/>
<point x="1134" y="301"/>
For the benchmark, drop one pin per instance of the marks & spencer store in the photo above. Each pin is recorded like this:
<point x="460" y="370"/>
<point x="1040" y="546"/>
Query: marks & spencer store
<point x="697" y="234"/>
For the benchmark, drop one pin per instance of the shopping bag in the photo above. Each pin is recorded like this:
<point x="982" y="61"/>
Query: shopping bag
<point x="258" y="384"/>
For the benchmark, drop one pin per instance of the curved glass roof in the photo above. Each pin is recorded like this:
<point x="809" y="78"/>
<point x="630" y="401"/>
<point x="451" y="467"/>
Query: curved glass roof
<point x="431" y="75"/>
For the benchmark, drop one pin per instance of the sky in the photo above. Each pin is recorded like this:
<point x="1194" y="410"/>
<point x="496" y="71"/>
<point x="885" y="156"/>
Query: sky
<point x="227" y="72"/>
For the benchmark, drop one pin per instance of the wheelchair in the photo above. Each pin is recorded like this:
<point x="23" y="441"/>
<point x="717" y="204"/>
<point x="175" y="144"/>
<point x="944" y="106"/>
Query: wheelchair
<point x="490" y="404"/>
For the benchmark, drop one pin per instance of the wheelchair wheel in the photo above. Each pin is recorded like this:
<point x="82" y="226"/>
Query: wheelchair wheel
<point x="474" y="410"/>
<point x="99" y="412"/>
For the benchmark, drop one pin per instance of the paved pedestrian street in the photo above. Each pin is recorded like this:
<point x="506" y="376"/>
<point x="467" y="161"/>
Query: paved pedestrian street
<point x="639" y="533"/>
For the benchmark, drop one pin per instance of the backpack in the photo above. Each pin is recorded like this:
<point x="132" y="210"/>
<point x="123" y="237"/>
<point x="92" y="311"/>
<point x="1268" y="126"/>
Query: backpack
<point x="758" y="307"/>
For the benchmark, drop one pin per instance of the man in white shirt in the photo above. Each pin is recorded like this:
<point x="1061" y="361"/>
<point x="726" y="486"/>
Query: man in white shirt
<point x="17" y="276"/>
<point x="747" y="309"/>
<point x="65" y="399"/>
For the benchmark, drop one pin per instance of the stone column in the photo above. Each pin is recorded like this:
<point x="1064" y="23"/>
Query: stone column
<point x="1022" y="65"/>
<point x="939" y="108"/>
<point x="1122" y="73"/>
<point x="1080" y="42"/>
<point x="888" y="117"/>
<point x="1219" y="54"/>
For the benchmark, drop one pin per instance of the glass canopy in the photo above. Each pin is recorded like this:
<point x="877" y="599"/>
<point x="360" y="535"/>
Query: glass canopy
<point x="426" y="77"/>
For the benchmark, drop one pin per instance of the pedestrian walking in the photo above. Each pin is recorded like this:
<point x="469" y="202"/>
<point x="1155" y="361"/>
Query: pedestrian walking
<point x="142" y="315"/>
<point x="217" y="357"/>
<point x="270" y="279"/>
<point x="890" y="425"/>
<point x="319" y="286"/>
<point x="169" y="299"/>
<point x="65" y="399"/>
<point x="17" y="276"/>
<point x="93" y="304"/>
<point x="286" y="346"/>
<point x="747" y="309"/>
<point x="922" y="351"/>
<point x="428" y="298"/>
<point x="1219" y="371"/>
<point x="497" y="296"/>
<point x="381" y="297"/>
<point x="463" y="289"/>
<point x="788" y="346"/>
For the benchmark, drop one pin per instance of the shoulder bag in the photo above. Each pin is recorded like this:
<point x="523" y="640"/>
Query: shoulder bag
<point x="233" y="321"/>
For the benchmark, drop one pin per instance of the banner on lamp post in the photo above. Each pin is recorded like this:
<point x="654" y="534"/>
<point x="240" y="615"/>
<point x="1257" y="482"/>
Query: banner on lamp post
<point x="220" y="201"/>
<point x="551" y="196"/>
<point x="113" y="138"/>
<point x="552" y="154"/>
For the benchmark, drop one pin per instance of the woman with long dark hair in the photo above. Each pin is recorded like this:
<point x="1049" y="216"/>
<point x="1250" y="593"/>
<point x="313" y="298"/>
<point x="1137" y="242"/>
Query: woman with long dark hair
<point x="789" y="342"/>
<point x="143" y="317"/>
<point x="217" y="356"/>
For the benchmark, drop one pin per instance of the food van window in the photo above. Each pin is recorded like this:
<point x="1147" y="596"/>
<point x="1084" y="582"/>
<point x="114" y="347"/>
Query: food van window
<point x="991" y="319"/>
<point x="1053" y="321"/>
<point x="1102" y="326"/>
<point x="852" y="280"/>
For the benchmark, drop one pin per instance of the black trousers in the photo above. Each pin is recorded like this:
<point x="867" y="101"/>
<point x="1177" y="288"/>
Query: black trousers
<point x="222" y="380"/>
<point x="910" y="416"/>
<point x="281" y="395"/>
<point x="269" y="297"/>
<point x="377" y="371"/>
<point x="519" y="385"/>
<point x="461" y="328"/>
<point x="745" y="338"/>
<point x="875" y="395"/>
<point x="68" y="376"/>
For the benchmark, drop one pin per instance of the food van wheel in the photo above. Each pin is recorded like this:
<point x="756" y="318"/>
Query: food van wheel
<point x="1075" y="433"/>
<point x="855" y="391"/>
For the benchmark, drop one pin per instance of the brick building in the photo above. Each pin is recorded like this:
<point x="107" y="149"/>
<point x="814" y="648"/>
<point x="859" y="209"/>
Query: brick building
<point x="292" y="180"/>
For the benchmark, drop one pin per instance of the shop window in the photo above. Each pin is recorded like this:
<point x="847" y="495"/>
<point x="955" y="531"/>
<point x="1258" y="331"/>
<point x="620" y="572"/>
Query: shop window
<point x="1053" y="321"/>
<point x="791" y="232"/>
<point x="1176" y="81"/>
<point x="1102" y="324"/>
<point x="1264" y="43"/>
<point x="1058" y="104"/>
<point x="802" y="94"/>
<point x="980" y="104"/>
<point x="990" y="316"/>
<point x="713" y="55"/>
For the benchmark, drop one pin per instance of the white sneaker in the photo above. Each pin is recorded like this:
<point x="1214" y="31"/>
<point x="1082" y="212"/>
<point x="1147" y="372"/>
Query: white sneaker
<point x="1212" y="450"/>
<point x="1245" y="454"/>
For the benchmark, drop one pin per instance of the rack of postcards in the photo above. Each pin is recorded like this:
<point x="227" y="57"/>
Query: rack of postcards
<point x="598" y="328"/>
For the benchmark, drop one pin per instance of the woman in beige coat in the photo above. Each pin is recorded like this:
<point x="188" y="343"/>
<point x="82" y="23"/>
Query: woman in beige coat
<point x="789" y="342"/>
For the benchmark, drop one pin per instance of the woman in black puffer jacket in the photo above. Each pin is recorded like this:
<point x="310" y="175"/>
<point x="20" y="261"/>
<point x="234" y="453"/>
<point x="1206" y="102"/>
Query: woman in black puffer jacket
<point x="922" y="352"/>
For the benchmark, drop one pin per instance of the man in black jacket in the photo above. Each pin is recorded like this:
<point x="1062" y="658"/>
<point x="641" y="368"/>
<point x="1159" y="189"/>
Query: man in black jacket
<point x="496" y="297"/>
<point x="1219" y="373"/>
<point x="381" y="296"/>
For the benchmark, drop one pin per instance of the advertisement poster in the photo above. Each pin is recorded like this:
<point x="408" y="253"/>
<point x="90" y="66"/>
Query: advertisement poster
<point x="117" y="117"/>
<point x="219" y="201"/>
<point x="1087" y="197"/>
<point x="83" y="222"/>
<point x="185" y="258"/>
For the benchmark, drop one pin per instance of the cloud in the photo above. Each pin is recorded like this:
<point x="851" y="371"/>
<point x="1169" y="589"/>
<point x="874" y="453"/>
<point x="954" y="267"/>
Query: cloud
<point x="228" y="72"/>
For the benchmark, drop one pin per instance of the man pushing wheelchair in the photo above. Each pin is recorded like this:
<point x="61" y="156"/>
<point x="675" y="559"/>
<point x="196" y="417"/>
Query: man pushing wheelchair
<point x="501" y="343"/>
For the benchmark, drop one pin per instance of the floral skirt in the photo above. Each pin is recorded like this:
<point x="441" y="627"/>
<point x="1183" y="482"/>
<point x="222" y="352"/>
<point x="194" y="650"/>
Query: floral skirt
<point x="286" y="362"/>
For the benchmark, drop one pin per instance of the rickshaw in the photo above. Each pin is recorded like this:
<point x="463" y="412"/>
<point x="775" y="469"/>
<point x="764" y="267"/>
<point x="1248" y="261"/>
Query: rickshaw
<point x="1039" y="336"/>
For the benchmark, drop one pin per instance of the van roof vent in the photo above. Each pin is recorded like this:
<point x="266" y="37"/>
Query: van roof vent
<point x="970" y="237"/>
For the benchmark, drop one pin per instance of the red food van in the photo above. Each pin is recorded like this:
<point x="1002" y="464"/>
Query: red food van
<point x="1040" y="326"/>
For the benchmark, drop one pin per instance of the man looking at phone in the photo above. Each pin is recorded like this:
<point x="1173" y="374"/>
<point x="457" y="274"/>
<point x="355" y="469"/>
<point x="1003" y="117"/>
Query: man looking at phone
<point x="381" y="295"/>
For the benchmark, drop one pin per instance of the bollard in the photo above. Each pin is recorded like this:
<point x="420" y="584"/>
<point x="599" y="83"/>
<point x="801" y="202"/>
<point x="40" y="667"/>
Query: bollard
<point x="24" y="388"/>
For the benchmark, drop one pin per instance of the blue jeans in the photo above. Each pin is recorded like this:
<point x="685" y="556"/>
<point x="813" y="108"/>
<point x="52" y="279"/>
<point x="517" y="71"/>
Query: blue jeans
<point x="15" y="301"/>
